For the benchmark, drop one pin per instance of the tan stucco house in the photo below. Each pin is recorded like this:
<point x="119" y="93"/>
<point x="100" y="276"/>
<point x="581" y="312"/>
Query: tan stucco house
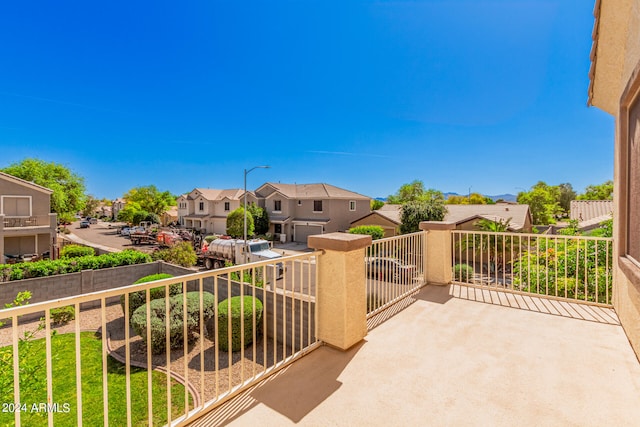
<point x="116" y="206"/>
<point x="206" y="209"/>
<point x="27" y="226"/>
<point x="615" y="88"/>
<point x="387" y="217"/>
<point x="465" y="217"/>
<point x="590" y="213"/>
<point x="297" y="211"/>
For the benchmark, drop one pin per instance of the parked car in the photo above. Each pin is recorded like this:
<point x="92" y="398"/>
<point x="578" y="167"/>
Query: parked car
<point x="390" y="269"/>
<point x="84" y="224"/>
<point x="92" y="220"/>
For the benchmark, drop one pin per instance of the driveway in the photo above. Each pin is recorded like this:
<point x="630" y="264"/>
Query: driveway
<point x="104" y="234"/>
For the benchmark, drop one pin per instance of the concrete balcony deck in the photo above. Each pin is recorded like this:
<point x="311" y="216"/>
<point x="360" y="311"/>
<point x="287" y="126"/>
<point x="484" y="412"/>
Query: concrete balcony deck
<point x="459" y="356"/>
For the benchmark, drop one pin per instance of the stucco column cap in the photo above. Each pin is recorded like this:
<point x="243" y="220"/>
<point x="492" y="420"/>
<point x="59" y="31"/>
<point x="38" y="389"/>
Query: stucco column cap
<point x="341" y="242"/>
<point x="437" y="225"/>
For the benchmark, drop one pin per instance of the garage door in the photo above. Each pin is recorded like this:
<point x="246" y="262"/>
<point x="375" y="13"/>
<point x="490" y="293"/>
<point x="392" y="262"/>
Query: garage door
<point x="304" y="231"/>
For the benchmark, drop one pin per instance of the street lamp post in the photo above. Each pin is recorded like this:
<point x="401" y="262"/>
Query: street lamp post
<point x="246" y="172"/>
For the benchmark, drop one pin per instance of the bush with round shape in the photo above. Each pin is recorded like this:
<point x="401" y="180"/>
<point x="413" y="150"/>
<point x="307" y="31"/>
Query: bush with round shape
<point x="136" y="299"/>
<point x="177" y="318"/>
<point x="463" y="273"/>
<point x="241" y="307"/>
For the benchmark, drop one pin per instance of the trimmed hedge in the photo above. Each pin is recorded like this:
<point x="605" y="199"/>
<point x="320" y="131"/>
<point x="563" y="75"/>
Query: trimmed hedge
<point x="375" y="231"/>
<point x="137" y="299"/>
<point x="176" y="319"/>
<point x="76" y="251"/>
<point x="28" y="270"/>
<point x="237" y="312"/>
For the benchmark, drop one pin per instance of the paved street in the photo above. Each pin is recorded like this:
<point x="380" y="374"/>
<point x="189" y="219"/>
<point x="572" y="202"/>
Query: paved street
<point x="105" y="234"/>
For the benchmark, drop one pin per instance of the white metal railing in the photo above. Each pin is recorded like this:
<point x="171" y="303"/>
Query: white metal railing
<point x="395" y="268"/>
<point x="569" y="267"/>
<point x="26" y="221"/>
<point x="113" y="379"/>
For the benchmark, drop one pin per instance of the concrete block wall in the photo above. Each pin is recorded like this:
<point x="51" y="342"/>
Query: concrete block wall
<point x="67" y="285"/>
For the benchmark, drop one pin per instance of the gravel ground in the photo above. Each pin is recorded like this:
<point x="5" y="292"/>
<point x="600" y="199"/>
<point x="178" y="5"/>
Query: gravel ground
<point x="210" y="381"/>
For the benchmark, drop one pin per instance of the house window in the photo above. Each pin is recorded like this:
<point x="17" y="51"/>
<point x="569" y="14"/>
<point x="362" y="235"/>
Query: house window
<point x="317" y="205"/>
<point x="277" y="228"/>
<point x="226" y="206"/>
<point x="201" y="206"/>
<point x="277" y="205"/>
<point x="352" y="205"/>
<point x="633" y="182"/>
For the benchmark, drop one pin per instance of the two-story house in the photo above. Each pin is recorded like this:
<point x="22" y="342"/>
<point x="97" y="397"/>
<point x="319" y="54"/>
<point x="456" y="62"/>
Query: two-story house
<point x="206" y="209"/>
<point x="27" y="226"/>
<point x="116" y="206"/>
<point x="297" y="211"/>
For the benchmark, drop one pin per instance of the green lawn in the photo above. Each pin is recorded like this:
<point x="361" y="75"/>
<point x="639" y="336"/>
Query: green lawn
<point x="33" y="386"/>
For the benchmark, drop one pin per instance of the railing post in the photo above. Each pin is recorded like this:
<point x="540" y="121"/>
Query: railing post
<point x="341" y="289"/>
<point x="439" y="253"/>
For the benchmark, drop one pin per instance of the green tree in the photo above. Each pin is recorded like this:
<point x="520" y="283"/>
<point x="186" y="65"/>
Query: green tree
<point x="472" y="199"/>
<point x="150" y="199"/>
<point x="543" y="203"/>
<point x="407" y="192"/>
<point x="90" y="206"/>
<point x="128" y="212"/>
<point x="260" y="218"/>
<point x="414" y="212"/>
<point x="376" y="204"/>
<point x="68" y="188"/>
<point x="603" y="191"/>
<point x="235" y="223"/>
<point x="565" y="196"/>
<point x="375" y="231"/>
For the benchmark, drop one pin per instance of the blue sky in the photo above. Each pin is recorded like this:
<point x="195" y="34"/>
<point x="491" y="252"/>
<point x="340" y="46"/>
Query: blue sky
<point x="365" y="95"/>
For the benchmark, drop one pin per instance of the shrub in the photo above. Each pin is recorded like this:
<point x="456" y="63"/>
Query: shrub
<point x="176" y="317"/>
<point x="63" y="315"/>
<point x="239" y="309"/>
<point x="375" y="231"/>
<point x="463" y="273"/>
<point x="210" y="239"/>
<point x="27" y="270"/>
<point x="181" y="254"/>
<point x="76" y="251"/>
<point x="136" y="299"/>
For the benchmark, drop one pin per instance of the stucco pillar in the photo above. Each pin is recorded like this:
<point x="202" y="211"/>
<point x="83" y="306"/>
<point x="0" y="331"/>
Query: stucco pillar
<point x="439" y="269"/>
<point x="341" y="301"/>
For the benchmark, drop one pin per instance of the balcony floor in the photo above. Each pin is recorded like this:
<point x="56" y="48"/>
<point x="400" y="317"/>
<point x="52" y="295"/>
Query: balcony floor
<point x="459" y="356"/>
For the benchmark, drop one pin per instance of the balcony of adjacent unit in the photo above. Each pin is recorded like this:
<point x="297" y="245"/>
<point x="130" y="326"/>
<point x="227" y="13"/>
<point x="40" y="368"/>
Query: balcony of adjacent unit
<point x="16" y="224"/>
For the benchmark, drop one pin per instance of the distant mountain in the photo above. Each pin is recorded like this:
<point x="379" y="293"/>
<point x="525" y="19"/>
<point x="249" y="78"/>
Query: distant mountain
<point x="506" y="197"/>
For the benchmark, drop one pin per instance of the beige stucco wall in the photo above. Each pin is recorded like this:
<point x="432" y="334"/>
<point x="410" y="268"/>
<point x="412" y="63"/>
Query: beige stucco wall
<point x="40" y="201"/>
<point x="617" y="52"/>
<point x="617" y="55"/>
